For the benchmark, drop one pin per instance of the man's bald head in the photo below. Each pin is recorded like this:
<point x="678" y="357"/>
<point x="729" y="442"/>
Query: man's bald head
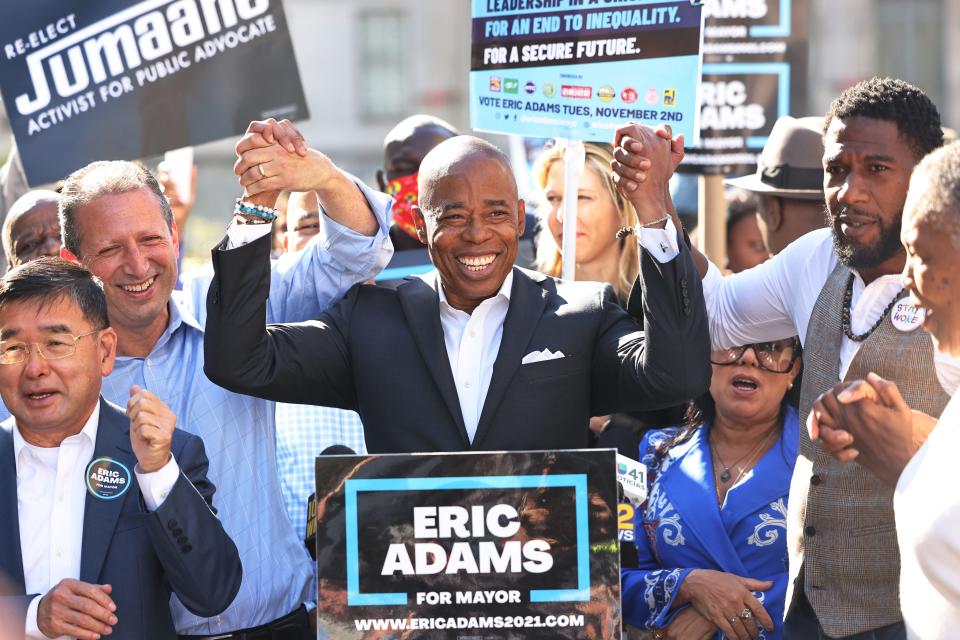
<point x="459" y="155"/>
<point x="470" y="218"/>
<point x="31" y="228"/>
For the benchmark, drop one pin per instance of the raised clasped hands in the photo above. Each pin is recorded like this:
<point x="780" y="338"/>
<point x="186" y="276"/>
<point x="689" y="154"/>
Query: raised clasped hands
<point x="644" y="160"/>
<point x="868" y="421"/>
<point x="273" y="156"/>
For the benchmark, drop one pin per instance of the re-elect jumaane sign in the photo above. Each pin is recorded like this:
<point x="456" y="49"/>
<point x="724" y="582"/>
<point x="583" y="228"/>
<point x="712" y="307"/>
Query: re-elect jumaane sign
<point x="580" y="68"/>
<point x="121" y="79"/>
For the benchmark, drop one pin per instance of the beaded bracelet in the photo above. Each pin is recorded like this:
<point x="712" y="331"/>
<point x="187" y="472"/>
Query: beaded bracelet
<point x="245" y="209"/>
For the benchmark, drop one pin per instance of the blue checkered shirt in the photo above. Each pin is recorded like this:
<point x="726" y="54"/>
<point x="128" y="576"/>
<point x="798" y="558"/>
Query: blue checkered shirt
<point x="238" y="431"/>
<point x="303" y="431"/>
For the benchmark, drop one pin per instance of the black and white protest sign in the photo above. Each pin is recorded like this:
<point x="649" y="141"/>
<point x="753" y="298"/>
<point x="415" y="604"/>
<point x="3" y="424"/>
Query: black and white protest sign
<point x="121" y="79"/>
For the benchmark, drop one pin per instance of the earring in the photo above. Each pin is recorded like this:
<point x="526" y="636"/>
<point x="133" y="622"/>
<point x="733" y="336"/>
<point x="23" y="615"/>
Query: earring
<point x="790" y="386"/>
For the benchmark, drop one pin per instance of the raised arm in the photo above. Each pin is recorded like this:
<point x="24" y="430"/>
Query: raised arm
<point x="305" y="362"/>
<point x="202" y="564"/>
<point x="753" y="306"/>
<point x="353" y="244"/>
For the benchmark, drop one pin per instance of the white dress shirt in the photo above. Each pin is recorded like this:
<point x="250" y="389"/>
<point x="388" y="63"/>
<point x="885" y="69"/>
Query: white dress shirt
<point x="473" y="340"/>
<point x="51" y="497"/>
<point x="775" y="300"/>
<point x="927" y="507"/>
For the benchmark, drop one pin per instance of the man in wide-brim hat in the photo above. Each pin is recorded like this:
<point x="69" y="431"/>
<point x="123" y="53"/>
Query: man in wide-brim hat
<point x="789" y="181"/>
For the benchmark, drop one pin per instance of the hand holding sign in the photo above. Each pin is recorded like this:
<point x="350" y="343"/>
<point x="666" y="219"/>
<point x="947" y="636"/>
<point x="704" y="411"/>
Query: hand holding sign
<point x="151" y="429"/>
<point x="77" y="609"/>
<point x="180" y="196"/>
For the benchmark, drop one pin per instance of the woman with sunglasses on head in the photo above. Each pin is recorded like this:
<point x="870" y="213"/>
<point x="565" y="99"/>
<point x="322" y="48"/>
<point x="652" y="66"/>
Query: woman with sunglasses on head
<point x="711" y="538"/>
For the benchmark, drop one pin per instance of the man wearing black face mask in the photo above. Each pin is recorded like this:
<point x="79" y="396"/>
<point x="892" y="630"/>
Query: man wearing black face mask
<point x="839" y="289"/>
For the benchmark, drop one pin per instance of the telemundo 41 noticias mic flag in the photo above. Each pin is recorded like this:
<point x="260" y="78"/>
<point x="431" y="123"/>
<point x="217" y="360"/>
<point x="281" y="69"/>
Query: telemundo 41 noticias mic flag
<point x="121" y="79"/>
<point x="578" y="69"/>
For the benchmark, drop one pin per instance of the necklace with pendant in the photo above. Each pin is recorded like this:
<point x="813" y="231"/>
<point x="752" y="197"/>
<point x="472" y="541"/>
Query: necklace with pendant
<point x="725" y="474"/>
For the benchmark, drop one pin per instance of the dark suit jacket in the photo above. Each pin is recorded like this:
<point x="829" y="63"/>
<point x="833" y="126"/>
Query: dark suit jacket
<point x="380" y="351"/>
<point x="180" y="547"/>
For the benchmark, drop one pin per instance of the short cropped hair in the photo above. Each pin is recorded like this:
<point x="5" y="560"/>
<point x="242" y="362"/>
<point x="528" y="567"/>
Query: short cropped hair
<point x="938" y="175"/>
<point x="47" y="280"/>
<point x="101" y="178"/>
<point x="908" y="107"/>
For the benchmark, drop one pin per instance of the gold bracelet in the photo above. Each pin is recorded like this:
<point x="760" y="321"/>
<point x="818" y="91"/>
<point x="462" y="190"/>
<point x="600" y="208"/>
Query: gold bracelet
<point x="623" y="232"/>
<point x="655" y="222"/>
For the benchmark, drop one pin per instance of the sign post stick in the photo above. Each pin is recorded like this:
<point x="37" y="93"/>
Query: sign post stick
<point x="712" y="207"/>
<point x="573" y="158"/>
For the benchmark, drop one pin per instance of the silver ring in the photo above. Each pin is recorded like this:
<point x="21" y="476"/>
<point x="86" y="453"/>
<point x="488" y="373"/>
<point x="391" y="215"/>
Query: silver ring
<point x="732" y="620"/>
<point x="746" y="614"/>
<point x="260" y="169"/>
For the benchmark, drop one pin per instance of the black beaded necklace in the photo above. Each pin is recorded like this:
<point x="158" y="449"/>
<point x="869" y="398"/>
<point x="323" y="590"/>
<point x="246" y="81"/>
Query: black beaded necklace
<point x="847" y="298"/>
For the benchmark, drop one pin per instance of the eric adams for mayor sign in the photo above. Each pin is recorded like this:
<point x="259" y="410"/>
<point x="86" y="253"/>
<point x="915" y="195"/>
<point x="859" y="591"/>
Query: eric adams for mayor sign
<point x="118" y="79"/>
<point x="468" y="545"/>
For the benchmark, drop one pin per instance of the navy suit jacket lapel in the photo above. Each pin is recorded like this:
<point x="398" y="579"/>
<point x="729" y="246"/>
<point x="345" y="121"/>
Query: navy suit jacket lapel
<point x="100" y="516"/>
<point x="692" y="491"/>
<point x="527" y="302"/>
<point x="11" y="560"/>
<point x="420" y="303"/>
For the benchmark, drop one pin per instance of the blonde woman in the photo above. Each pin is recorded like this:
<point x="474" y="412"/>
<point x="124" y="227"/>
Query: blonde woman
<point x="601" y="211"/>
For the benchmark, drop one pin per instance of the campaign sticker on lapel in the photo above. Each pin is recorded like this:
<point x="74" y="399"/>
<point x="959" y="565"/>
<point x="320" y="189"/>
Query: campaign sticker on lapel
<point x="907" y="317"/>
<point x="107" y="479"/>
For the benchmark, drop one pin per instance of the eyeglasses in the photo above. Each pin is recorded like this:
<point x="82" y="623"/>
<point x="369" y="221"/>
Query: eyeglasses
<point x="12" y="352"/>
<point x="775" y="357"/>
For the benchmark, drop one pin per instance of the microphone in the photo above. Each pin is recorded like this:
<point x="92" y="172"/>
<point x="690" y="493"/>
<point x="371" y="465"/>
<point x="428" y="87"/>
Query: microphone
<point x="310" y="540"/>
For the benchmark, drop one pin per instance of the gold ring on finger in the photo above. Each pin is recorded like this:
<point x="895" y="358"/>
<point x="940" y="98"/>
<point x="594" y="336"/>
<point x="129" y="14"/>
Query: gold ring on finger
<point x="260" y="169"/>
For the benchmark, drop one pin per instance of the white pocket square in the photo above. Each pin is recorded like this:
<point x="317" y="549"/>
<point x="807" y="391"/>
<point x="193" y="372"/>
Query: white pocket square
<point x="541" y="356"/>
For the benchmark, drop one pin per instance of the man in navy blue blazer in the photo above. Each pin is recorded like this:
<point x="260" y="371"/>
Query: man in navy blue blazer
<point x="102" y="515"/>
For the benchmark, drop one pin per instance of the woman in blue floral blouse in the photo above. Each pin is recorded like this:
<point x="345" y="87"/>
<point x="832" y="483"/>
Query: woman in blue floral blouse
<point x="711" y="538"/>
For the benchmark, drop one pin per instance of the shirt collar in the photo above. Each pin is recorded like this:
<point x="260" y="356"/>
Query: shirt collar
<point x="504" y="291"/>
<point x="180" y="314"/>
<point x="89" y="432"/>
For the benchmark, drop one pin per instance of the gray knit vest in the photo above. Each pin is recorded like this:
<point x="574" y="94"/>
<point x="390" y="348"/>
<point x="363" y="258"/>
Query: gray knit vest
<point x="841" y="528"/>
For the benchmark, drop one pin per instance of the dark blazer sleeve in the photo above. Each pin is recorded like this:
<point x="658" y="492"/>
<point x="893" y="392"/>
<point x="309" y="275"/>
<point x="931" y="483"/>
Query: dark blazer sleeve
<point x="670" y="361"/>
<point x="199" y="559"/>
<point x="302" y="362"/>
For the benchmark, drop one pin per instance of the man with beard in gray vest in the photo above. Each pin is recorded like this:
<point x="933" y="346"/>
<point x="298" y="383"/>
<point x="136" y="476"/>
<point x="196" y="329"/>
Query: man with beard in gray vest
<point x="836" y="288"/>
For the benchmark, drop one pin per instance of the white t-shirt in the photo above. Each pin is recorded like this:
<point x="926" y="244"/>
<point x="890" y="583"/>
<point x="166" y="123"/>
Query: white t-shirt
<point x="927" y="506"/>
<point x="775" y="300"/>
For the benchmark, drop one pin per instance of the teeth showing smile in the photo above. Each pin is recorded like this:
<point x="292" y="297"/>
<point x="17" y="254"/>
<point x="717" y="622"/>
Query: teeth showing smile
<point x="477" y="263"/>
<point x="138" y="288"/>
<point x="38" y="396"/>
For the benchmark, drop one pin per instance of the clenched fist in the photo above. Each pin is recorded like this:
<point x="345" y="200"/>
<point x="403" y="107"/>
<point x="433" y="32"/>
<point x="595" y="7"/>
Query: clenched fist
<point x="151" y="429"/>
